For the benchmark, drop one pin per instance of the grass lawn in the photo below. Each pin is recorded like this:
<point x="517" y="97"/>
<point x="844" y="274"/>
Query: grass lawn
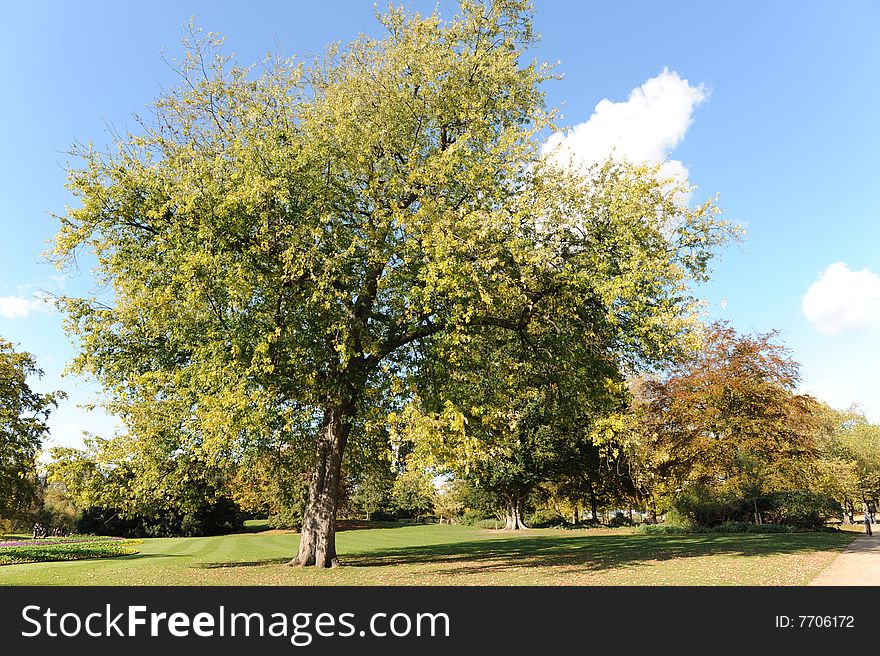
<point x="459" y="555"/>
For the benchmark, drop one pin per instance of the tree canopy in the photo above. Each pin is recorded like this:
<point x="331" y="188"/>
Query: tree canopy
<point x="728" y="421"/>
<point x="282" y="243"/>
<point x="23" y="416"/>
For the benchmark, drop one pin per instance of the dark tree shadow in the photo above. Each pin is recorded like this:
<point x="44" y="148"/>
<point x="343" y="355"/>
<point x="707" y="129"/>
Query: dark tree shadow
<point x="573" y="553"/>
<point x="592" y="553"/>
<point x="243" y="563"/>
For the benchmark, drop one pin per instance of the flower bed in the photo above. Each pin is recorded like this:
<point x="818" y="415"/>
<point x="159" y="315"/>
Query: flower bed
<point x="29" y="542"/>
<point x="37" y="551"/>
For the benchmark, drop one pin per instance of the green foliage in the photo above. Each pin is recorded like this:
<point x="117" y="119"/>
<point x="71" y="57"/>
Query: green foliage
<point x="448" y="502"/>
<point x="675" y="518"/>
<point x="619" y="519"/>
<point x="742" y="527"/>
<point x="374" y="493"/>
<point x="725" y="527"/>
<point x="23" y="416"/>
<point x="286" y="247"/>
<point x="802" y="508"/>
<point x="488" y="524"/>
<point x="217" y="518"/>
<point x="472" y="517"/>
<point x="849" y="469"/>
<point x="272" y="484"/>
<point x="412" y="496"/>
<point x="544" y="518"/>
<point x="703" y="505"/>
<point x="474" y="500"/>
<point x="664" y="529"/>
<point x="287" y="517"/>
<point x="127" y="486"/>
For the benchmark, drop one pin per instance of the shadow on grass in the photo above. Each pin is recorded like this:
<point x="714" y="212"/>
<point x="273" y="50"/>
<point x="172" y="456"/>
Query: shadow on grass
<point x="341" y="525"/>
<point x="596" y="553"/>
<point x="573" y="553"/>
<point x="243" y="563"/>
<point x="359" y="524"/>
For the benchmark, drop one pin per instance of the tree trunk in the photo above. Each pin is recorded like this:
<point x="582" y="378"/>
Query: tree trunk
<point x="513" y="508"/>
<point x="594" y="504"/>
<point x="317" y="544"/>
<point x="575" y="515"/>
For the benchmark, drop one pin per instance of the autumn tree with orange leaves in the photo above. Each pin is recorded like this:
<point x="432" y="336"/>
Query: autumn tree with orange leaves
<point x="728" y="421"/>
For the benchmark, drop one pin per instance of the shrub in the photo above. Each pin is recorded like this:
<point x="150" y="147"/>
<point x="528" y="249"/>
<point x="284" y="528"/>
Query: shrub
<point x="619" y="519"/>
<point x="701" y="506"/>
<point x="382" y="516"/>
<point x="471" y="516"/>
<point x="663" y="529"/>
<point x="771" y="528"/>
<point x="803" y="509"/>
<point x="489" y="523"/>
<point x="726" y="527"/>
<point x="745" y="527"/>
<point x="412" y="496"/>
<point x="290" y="518"/>
<point x="222" y="516"/>
<point x="800" y="508"/>
<point x="676" y="518"/>
<point x="545" y="518"/>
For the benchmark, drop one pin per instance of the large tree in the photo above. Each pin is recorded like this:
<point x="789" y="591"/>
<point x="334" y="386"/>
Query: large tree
<point x="279" y="244"/>
<point x="23" y="416"/>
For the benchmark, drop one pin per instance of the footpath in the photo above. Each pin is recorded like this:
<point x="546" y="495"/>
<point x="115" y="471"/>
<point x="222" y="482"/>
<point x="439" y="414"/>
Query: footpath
<point x="859" y="564"/>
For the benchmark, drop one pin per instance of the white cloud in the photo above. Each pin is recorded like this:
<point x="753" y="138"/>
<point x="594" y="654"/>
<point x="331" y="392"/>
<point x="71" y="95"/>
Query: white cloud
<point x="17" y="307"/>
<point x="643" y="128"/>
<point x="842" y="300"/>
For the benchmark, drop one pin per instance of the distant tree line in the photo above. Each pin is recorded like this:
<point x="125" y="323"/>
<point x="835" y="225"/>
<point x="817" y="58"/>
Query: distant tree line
<point x="721" y="437"/>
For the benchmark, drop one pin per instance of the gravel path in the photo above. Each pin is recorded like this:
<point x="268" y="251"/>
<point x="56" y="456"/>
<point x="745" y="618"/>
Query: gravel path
<point x="859" y="564"/>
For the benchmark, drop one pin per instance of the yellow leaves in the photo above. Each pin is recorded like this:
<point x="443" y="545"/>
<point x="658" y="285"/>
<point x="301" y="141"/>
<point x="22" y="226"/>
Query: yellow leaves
<point x="269" y="200"/>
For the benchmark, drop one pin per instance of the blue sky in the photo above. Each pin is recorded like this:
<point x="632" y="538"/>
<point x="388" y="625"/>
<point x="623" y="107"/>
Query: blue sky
<point x="771" y="105"/>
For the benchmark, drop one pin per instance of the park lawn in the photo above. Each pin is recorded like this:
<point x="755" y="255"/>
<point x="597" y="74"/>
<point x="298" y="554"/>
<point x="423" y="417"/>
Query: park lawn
<point x="460" y="555"/>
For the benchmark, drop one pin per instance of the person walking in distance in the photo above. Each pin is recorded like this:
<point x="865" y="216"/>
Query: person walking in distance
<point x="867" y="520"/>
